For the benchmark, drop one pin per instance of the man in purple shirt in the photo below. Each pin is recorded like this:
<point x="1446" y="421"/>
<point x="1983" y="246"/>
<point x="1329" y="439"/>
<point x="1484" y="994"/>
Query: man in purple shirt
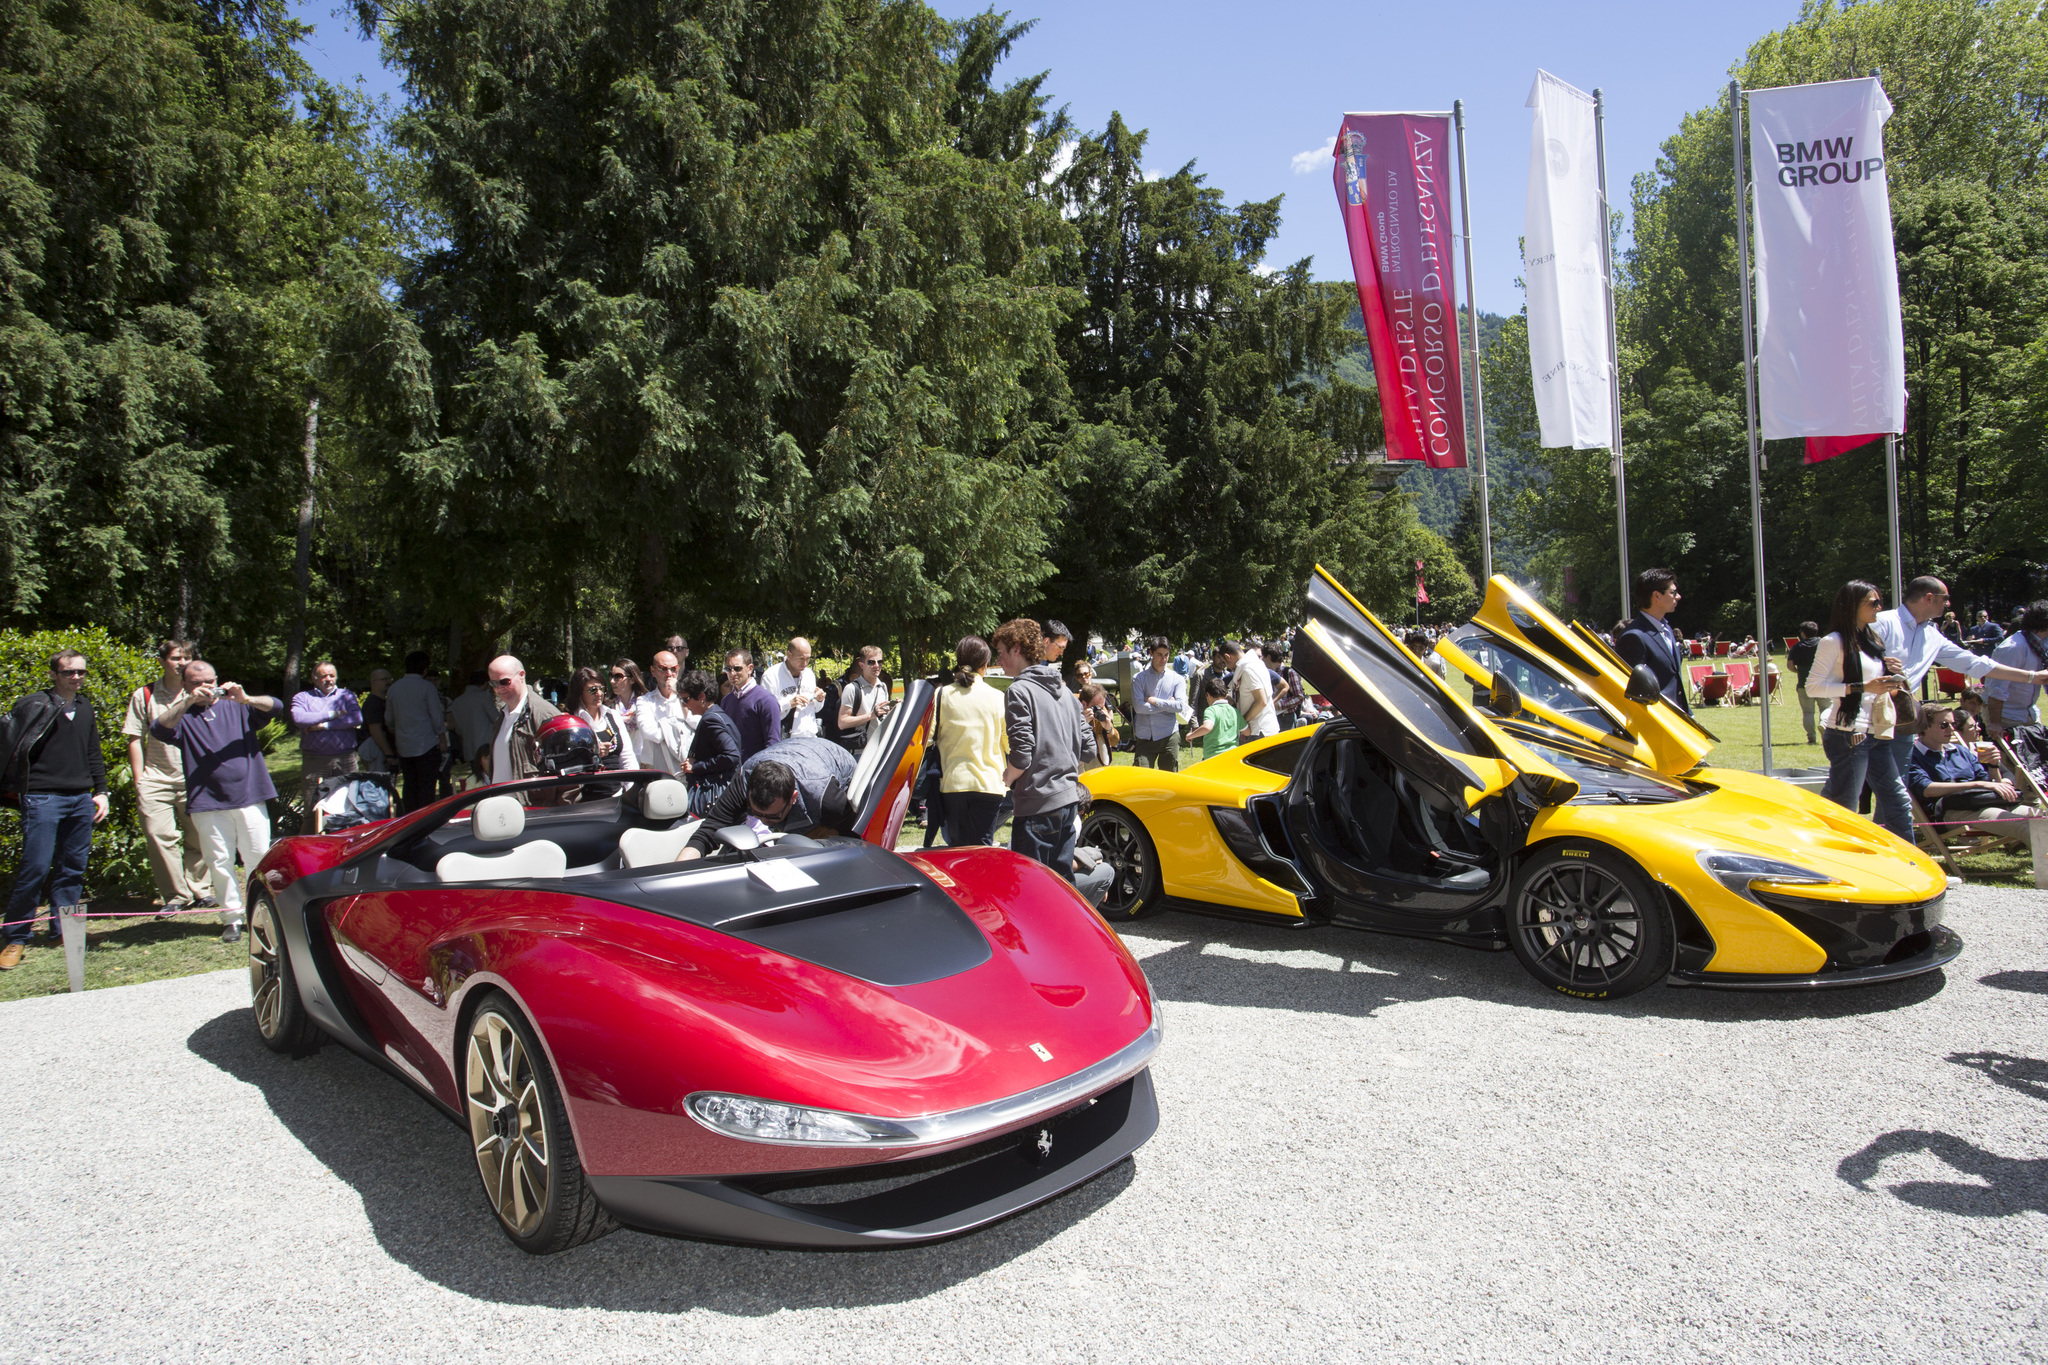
<point x="757" y="714"/>
<point x="327" y="717"/>
<point x="226" y="781"/>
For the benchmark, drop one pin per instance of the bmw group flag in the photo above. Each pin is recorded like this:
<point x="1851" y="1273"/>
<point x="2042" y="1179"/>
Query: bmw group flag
<point x="1831" y="347"/>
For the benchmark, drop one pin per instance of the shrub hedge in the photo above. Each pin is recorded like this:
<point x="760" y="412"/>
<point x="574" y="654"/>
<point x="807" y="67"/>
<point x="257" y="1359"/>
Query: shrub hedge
<point x="120" y="861"/>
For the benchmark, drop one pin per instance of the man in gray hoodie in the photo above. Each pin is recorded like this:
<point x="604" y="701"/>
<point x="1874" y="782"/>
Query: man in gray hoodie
<point x="1044" y="725"/>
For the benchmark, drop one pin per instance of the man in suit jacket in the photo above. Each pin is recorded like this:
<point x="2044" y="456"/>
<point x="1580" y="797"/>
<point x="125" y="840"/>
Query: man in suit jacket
<point x="715" y="750"/>
<point x="1649" y="639"/>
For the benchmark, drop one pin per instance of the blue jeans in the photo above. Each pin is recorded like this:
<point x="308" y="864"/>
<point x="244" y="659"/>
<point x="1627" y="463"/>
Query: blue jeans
<point x="56" y="828"/>
<point x="1048" y="837"/>
<point x="1876" y="761"/>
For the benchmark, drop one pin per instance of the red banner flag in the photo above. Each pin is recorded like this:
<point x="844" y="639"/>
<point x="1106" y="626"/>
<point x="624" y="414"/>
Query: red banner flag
<point x="1421" y="594"/>
<point x="1392" y="175"/>
<point x="1820" y="448"/>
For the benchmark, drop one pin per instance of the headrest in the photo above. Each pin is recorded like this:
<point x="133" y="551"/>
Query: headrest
<point x="498" y="818"/>
<point x="665" y="800"/>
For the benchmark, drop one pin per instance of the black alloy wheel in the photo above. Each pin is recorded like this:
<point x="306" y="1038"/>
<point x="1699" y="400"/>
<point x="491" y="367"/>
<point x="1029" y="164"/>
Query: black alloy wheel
<point x="1134" y="891"/>
<point x="1586" y="922"/>
<point x="525" y="1153"/>
<point x="281" y="1019"/>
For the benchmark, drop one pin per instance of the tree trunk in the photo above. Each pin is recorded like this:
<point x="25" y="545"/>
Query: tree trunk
<point x="302" y="562"/>
<point x="183" y="620"/>
<point x="569" y="644"/>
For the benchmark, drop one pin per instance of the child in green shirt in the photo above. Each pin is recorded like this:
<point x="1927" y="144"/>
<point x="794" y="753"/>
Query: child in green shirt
<point x="1220" y="721"/>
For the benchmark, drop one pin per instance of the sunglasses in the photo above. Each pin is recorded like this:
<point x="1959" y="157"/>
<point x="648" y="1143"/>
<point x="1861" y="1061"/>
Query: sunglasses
<point x="618" y="677"/>
<point x="735" y="668"/>
<point x="588" y="688"/>
<point x="70" y="672"/>
<point x="501" y="682"/>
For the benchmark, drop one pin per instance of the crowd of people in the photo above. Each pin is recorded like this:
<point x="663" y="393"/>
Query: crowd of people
<point x="779" y="749"/>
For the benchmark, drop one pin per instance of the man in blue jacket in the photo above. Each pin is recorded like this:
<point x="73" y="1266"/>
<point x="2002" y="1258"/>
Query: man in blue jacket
<point x="1649" y="639"/>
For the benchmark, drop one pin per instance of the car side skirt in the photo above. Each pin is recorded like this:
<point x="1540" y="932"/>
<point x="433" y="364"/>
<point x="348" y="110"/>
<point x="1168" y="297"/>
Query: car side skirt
<point x="952" y="1201"/>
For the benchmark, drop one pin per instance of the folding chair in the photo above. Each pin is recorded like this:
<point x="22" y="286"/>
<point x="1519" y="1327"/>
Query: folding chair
<point x="1696" y="676"/>
<point x="1791" y="642"/>
<point x="1928" y="835"/>
<point x="1950" y="682"/>
<point x="1741" y="682"/>
<point x="2030" y="774"/>
<point x="1699" y="651"/>
<point x="1721" y="648"/>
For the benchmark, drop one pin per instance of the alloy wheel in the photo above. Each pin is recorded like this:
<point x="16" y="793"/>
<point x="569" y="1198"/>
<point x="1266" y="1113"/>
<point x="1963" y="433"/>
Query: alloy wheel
<point x="266" y="975"/>
<point x="1125" y="848"/>
<point x="508" y="1123"/>
<point x="1579" y="922"/>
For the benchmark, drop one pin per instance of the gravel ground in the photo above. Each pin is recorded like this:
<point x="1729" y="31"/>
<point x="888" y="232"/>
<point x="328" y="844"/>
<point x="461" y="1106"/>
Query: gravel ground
<point x="1370" y="1148"/>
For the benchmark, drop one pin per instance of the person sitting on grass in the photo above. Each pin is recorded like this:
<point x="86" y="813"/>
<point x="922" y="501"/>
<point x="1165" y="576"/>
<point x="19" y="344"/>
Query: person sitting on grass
<point x="1952" y="784"/>
<point x="1218" y="730"/>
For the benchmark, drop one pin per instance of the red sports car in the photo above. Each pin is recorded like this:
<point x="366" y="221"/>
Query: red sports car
<point x="813" y="1042"/>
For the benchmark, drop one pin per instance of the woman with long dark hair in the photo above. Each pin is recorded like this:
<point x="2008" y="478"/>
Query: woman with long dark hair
<point x="973" y="745"/>
<point x="1851" y="671"/>
<point x="614" y="741"/>
<point x="627" y="689"/>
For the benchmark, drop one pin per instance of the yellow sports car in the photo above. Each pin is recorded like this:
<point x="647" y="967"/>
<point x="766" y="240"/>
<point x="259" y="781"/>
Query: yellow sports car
<point x="1562" y="812"/>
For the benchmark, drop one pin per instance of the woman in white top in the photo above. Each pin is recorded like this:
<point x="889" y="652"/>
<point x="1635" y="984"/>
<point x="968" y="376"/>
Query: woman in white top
<point x="1849" y="668"/>
<point x="607" y="722"/>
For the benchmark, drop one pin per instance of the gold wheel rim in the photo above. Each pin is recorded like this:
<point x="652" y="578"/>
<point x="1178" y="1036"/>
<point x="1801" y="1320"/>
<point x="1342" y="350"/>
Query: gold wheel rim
<point x="506" y="1123"/>
<point x="266" y="976"/>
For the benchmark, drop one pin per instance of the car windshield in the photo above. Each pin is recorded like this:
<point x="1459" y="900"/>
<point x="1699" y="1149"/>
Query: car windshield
<point x="1538" y="682"/>
<point x="1604" y="778"/>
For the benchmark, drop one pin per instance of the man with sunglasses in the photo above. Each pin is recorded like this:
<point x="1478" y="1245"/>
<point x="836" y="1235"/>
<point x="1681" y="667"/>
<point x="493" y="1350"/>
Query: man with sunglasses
<point x="752" y="707"/>
<point x="513" y="751"/>
<point x="661" y="721"/>
<point x="57" y="775"/>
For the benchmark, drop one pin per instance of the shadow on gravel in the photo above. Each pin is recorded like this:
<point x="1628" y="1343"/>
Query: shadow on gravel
<point x="2009" y="1185"/>
<point x="1359" y="973"/>
<point x="412" y="1168"/>
<point x="2034" y="983"/>
<point x="2023" y="1074"/>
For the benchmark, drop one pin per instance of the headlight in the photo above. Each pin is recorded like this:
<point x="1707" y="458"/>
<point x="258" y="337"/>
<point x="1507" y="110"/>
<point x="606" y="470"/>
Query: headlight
<point x="1737" y="870"/>
<point x="793" y="1124"/>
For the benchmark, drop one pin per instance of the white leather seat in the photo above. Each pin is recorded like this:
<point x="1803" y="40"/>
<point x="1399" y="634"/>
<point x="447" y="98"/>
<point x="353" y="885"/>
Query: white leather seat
<point x="497" y="820"/>
<point x="665" y="799"/>
<point x="652" y="847"/>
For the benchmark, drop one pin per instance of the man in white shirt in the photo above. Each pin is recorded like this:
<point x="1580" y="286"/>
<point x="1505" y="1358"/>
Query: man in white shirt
<point x="417" y="719"/>
<point x="1251" y="692"/>
<point x="473" y="718"/>
<point x="1159" y="703"/>
<point x="662" y="723"/>
<point x="795" y="688"/>
<point x="1914" y="646"/>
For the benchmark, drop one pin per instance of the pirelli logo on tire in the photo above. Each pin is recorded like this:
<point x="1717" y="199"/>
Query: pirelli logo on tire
<point x="1573" y="853"/>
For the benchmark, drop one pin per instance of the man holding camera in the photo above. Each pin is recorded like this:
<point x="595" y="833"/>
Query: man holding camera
<point x="213" y="726"/>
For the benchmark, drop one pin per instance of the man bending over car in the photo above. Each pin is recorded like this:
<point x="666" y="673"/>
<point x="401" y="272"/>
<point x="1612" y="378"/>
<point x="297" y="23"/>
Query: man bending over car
<point x="795" y="786"/>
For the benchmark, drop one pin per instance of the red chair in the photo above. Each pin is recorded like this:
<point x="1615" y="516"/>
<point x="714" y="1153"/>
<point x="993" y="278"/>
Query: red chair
<point x="1721" y="648"/>
<point x="1708" y="687"/>
<point x="1791" y="642"/>
<point x="1950" y="682"/>
<point x="1699" y="651"/>
<point x="1741" y="682"/>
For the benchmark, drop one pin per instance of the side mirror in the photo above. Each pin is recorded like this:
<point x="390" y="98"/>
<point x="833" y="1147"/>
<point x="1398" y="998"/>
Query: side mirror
<point x="1642" y="686"/>
<point x="740" y="838"/>
<point x="1505" y="700"/>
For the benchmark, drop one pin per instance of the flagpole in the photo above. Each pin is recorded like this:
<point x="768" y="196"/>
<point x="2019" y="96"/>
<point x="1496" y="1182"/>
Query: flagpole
<point x="1891" y="479"/>
<point x="1756" y="498"/>
<point x="1613" y="351"/>
<point x="1478" y="391"/>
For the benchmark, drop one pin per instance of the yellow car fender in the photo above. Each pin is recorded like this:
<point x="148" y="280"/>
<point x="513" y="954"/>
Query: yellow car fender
<point x="1193" y="862"/>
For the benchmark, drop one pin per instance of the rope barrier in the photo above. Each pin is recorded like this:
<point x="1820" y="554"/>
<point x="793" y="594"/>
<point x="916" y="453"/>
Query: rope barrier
<point x="115" y="914"/>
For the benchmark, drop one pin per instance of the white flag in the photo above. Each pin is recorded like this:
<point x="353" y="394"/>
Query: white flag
<point x="1831" y="345"/>
<point x="1565" y="270"/>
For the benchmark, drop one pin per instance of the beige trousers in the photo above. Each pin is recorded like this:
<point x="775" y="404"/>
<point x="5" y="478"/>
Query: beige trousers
<point x="176" y="858"/>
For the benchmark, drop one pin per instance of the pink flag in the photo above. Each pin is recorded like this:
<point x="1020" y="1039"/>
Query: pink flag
<point x="1421" y="593"/>
<point x="1392" y="176"/>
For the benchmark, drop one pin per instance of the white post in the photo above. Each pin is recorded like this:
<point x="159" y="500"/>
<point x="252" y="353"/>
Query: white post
<point x="71" y="919"/>
<point x="1756" y="497"/>
<point x="1891" y="477"/>
<point x="1478" y="391"/>
<point x="1613" y="353"/>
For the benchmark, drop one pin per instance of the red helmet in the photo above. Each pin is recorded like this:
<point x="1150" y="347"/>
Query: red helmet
<point x="567" y="745"/>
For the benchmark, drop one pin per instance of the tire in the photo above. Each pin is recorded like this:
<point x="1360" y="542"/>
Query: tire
<point x="281" y="1019"/>
<point x="1587" y="923"/>
<point x="543" y="1202"/>
<point x="1134" y="893"/>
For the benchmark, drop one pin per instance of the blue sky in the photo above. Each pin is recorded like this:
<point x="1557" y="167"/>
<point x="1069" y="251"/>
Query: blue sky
<point x="1241" y="90"/>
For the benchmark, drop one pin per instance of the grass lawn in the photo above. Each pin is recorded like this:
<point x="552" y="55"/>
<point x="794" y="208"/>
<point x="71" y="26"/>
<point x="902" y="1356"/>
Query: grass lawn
<point x="122" y="952"/>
